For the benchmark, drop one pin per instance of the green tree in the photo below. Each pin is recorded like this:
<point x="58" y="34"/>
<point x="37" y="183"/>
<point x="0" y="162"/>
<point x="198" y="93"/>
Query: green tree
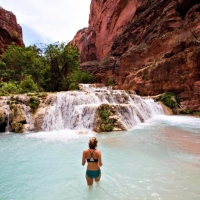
<point x="22" y="61"/>
<point x="63" y="60"/>
<point x="49" y="66"/>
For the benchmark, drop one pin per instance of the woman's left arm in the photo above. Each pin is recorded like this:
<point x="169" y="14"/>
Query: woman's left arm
<point x="83" y="158"/>
<point x="100" y="159"/>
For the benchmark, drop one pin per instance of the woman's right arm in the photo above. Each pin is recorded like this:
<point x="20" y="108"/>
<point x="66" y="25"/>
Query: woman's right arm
<point x="83" y="158"/>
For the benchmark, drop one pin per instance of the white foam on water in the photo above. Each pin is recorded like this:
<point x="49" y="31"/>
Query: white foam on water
<point x="184" y="122"/>
<point x="62" y="135"/>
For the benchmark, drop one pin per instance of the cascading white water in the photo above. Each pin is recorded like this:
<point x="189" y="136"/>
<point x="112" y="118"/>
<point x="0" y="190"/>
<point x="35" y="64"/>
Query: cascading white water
<point x="3" y="102"/>
<point x="76" y="110"/>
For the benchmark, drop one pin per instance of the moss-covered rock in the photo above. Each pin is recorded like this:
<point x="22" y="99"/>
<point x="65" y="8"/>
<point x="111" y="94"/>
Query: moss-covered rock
<point x="106" y="119"/>
<point x="170" y="100"/>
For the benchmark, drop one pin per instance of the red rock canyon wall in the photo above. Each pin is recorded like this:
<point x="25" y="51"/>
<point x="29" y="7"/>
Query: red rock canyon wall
<point x="10" y="31"/>
<point x="148" y="46"/>
<point x="106" y="21"/>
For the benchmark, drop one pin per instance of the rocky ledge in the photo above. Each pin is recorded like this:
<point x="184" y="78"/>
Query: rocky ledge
<point x="21" y="113"/>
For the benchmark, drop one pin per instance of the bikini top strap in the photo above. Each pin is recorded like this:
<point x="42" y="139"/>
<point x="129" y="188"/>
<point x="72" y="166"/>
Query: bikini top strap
<point x="91" y="152"/>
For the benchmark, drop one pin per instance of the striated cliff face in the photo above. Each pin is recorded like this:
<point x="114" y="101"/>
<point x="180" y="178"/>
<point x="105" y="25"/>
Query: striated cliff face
<point x="157" y="50"/>
<point x="106" y="21"/>
<point x="10" y="31"/>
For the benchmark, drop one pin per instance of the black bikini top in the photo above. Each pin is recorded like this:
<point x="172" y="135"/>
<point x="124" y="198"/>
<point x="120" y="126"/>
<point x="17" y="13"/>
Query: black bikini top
<point x="91" y="159"/>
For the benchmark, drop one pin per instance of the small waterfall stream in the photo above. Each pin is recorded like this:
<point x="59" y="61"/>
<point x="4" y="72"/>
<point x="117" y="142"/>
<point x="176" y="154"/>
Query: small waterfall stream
<point x="76" y="110"/>
<point x="3" y="101"/>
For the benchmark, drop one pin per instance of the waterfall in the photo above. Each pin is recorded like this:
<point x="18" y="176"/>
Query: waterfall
<point x="6" y="107"/>
<point x="76" y="110"/>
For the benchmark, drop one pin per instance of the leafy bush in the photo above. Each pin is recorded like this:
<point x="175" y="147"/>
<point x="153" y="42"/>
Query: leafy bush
<point x="28" y="85"/>
<point x="86" y="77"/>
<point x="107" y="123"/>
<point x="2" y="65"/>
<point x="111" y="82"/>
<point x="108" y="128"/>
<point x="81" y="77"/>
<point x="186" y="111"/>
<point x="33" y="103"/>
<point x="74" y="86"/>
<point x="77" y="76"/>
<point x="189" y="112"/>
<point x="8" y="88"/>
<point x="104" y="113"/>
<point x="169" y="99"/>
<point x="196" y="114"/>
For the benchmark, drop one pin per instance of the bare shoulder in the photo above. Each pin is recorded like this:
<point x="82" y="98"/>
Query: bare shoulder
<point x="85" y="151"/>
<point x="98" y="151"/>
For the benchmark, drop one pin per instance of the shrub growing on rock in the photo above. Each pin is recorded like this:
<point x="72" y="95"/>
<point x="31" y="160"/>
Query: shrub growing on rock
<point x="34" y="103"/>
<point x="111" y="82"/>
<point x="106" y="120"/>
<point x="170" y="99"/>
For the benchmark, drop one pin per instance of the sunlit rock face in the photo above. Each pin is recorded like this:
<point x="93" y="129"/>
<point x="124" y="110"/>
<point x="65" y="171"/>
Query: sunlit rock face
<point x="150" y="47"/>
<point x="106" y="22"/>
<point x="10" y="31"/>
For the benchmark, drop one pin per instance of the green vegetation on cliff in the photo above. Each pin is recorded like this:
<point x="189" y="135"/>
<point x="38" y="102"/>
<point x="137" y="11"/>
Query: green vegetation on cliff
<point x="170" y="99"/>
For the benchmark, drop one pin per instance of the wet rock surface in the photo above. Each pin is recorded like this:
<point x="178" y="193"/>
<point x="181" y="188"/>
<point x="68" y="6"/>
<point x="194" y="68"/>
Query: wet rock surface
<point x="18" y="115"/>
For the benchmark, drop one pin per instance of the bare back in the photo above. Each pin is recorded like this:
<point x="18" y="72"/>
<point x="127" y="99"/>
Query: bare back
<point x="96" y="154"/>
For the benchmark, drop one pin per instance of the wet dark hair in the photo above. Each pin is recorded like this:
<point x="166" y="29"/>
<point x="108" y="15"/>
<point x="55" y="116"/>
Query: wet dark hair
<point x="93" y="143"/>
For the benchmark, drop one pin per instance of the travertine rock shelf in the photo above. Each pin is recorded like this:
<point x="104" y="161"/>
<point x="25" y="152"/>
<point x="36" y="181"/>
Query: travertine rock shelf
<point x="97" y="109"/>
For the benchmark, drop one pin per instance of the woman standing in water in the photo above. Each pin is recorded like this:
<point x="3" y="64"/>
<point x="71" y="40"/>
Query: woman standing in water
<point x="93" y="157"/>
